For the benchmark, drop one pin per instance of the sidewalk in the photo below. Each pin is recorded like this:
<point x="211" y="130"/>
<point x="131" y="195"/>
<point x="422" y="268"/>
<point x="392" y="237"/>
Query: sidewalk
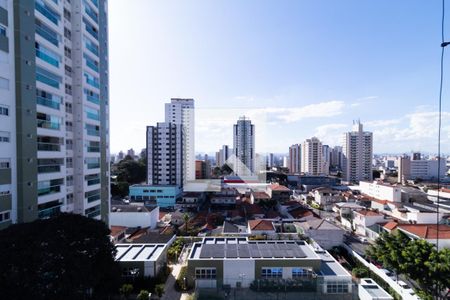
<point x="169" y="289"/>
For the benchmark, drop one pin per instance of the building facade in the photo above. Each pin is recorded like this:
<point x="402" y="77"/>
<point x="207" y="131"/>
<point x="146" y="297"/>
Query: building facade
<point x="244" y="147"/>
<point x="56" y="147"/>
<point x="412" y="169"/>
<point x="358" y="152"/>
<point x="165" y="154"/>
<point x="312" y="158"/>
<point x="181" y="112"/>
<point x="295" y="159"/>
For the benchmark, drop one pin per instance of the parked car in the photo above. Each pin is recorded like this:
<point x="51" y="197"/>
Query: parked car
<point x="406" y="288"/>
<point x="362" y="239"/>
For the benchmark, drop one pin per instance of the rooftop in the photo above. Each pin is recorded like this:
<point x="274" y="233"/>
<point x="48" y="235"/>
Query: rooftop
<point x="368" y="213"/>
<point x="279" y="187"/>
<point x="374" y="289"/>
<point x="260" y="195"/>
<point x="139" y="252"/>
<point x="131" y="208"/>
<point x="426" y="231"/>
<point x="260" y="225"/>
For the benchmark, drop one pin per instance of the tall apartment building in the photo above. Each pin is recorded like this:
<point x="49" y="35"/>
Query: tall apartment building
<point x="222" y="155"/>
<point x="244" y="147"/>
<point x="165" y="154"/>
<point x="336" y="158"/>
<point x="358" y="151"/>
<point x="326" y="158"/>
<point x="54" y="109"/>
<point x="295" y="158"/>
<point x="312" y="158"/>
<point x="181" y="112"/>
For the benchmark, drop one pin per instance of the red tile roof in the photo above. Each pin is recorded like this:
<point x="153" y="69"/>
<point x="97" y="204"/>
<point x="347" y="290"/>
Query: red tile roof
<point x="260" y="195"/>
<point x="300" y="213"/>
<point x="254" y="209"/>
<point x="279" y="187"/>
<point x="260" y="225"/>
<point x="390" y="225"/>
<point x="427" y="231"/>
<point x="368" y="213"/>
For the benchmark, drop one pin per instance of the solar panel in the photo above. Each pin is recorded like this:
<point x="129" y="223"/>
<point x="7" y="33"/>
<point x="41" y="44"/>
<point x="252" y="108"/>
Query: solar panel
<point x="243" y="251"/>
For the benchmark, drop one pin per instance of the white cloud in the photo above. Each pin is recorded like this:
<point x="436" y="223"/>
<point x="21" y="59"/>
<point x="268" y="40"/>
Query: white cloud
<point x="382" y="123"/>
<point x="331" y="133"/>
<point x="363" y="100"/>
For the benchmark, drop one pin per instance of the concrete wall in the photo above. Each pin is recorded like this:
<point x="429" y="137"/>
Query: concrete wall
<point x="134" y="219"/>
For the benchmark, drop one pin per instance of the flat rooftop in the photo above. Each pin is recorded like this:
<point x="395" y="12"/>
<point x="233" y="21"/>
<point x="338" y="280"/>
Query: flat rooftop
<point x="374" y="289"/>
<point x="139" y="252"/>
<point x="242" y="248"/>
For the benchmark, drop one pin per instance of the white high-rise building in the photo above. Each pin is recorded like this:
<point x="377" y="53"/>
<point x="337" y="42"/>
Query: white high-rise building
<point x="54" y="109"/>
<point x="295" y="158"/>
<point x="181" y="112"/>
<point x="358" y="151"/>
<point x="326" y="153"/>
<point x="244" y="147"/>
<point x="165" y="154"/>
<point x="223" y="155"/>
<point x="312" y="158"/>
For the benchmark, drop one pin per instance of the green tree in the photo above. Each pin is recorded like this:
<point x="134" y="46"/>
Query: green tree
<point x="186" y="221"/>
<point x="159" y="290"/>
<point x="143" y="295"/>
<point x="131" y="171"/>
<point x="65" y="257"/>
<point x="125" y="290"/>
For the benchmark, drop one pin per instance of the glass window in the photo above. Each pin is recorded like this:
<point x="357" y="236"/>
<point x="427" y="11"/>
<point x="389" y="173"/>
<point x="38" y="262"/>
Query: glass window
<point x="4" y="137"/>
<point x="48" y="121"/>
<point x="93" y="114"/>
<point x="92" y="130"/>
<point x="90" y="62"/>
<point x="272" y="272"/>
<point x="4" y="83"/>
<point x="48" y="99"/>
<point x="91" y="80"/>
<point x="2" y="30"/>
<point x="47" y="55"/>
<point x="48" y="77"/>
<point x="92" y="162"/>
<point x="47" y="33"/>
<point x="92" y="196"/>
<point x="4" y="110"/>
<point x="47" y="11"/>
<point x="92" y="97"/>
<point x="205" y="273"/>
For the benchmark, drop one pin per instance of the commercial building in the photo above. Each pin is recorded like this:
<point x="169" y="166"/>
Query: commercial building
<point x="312" y="158"/>
<point x="358" y="151"/>
<point x="181" y="112"/>
<point x="54" y="109"/>
<point x="156" y="195"/>
<point x="239" y="262"/>
<point x="381" y="190"/>
<point x="142" y="260"/>
<point x="202" y="169"/>
<point x="165" y="154"/>
<point x="295" y="159"/>
<point x="134" y="216"/>
<point x="244" y="147"/>
<point x="415" y="168"/>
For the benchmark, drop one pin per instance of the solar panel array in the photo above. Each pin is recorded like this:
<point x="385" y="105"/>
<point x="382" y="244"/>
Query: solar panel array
<point x="252" y="250"/>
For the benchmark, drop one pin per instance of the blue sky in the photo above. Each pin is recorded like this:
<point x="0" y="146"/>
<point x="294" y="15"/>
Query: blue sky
<point x="305" y="68"/>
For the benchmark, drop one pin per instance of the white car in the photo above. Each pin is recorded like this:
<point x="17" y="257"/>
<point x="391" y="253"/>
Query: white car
<point x="406" y="288"/>
<point x="362" y="239"/>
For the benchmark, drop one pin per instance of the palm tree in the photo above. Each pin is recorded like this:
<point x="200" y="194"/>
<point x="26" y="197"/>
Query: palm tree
<point x="186" y="220"/>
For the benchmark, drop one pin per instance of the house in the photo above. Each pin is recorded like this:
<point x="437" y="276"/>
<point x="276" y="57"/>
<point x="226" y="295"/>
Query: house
<point x="428" y="232"/>
<point x="134" y="216"/>
<point x="261" y="227"/>
<point x="117" y="233"/>
<point x="368" y="289"/>
<point x="142" y="260"/>
<point x="278" y="192"/>
<point x="227" y="197"/>
<point x="326" y="197"/>
<point x="259" y="197"/>
<point x="412" y="213"/>
<point x="218" y="263"/>
<point x="254" y="211"/>
<point x="229" y="228"/>
<point x="324" y="233"/>
<point x="365" y="218"/>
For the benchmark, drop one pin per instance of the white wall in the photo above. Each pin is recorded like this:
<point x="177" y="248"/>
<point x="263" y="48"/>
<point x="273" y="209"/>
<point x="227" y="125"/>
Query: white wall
<point x="381" y="191"/>
<point x="242" y="270"/>
<point x="134" y="219"/>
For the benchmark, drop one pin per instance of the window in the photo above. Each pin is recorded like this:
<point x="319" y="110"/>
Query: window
<point x="92" y="212"/>
<point x="49" y="186"/>
<point x="4" y="137"/>
<point x="92" y="195"/>
<point x="69" y="144"/>
<point x="48" y="121"/>
<point x="93" y="114"/>
<point x="4" y="110"/>
<point x="2" y="30"/>
<point x="47" y="33"/>
<point x="272" y="272"/>
<point x="91" y="80"/>
<point x="68" y="88"/>
<point x="90" y="62"/>
<point x="92" y="179"/>
<point x="47" y="11"/>
<point x="91" y="96"/>
<point x="69" y="198"/>
<point x="4" y="83"/>
<point x="67" y="52"/>
<point x="49" y="165"/>
<point x="337" y="287"/>
<point x="69" y="162"/>
<point x="90" y="11"/>
<point x="93" y="146"/>
<point x="5" y="163"/>
<point x="205" y="273"/>
<point x="90" y="45"/>
<point x="48" y="143"/>
<point x="48" y="99"/>
<point x="5" y="216"/>
<point x="48" y="77"/>
<point x="90" y="28"/>
<point x="300" y="273"/>
<point x="92" y="162"/>
<point x="92" y="130"/>
<point x="69" y="182"/>
<point x="67" y="14"/>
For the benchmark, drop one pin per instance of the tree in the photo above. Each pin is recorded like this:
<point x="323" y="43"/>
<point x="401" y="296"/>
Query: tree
<point x="65" y="257"/>
<point x="131" y="171"/>
<point x="143" y="295"/>
<point x="186" y="221"/>
<point x="125" y="290"/>
<point x="159" y="290"/>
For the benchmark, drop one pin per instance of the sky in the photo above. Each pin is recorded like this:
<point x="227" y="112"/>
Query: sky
<point x="298" y="68"/>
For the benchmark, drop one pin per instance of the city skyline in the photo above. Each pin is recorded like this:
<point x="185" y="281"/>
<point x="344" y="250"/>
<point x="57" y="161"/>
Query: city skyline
<point x="306" y="64"/>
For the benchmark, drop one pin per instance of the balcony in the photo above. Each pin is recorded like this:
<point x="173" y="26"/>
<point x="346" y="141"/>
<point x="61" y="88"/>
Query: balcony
<point x="48" y="102"/>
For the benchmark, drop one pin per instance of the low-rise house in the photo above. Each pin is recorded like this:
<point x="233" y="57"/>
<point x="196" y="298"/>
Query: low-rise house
<point x="118" y="233"/>
<point x="139" y="260"/>
<point x="279" y="193"/>
<point x="261" y="227"/>
<point x="416" y="214"/>
<point x="254" y="211"/>
<point x="229" y="228"/>
<point x="190" y="201"/>
<point x="326" y="197"/>
<point x="365" y="218"/>
<point x="324" y="233"/>
<point x="134" y="216"/>
<point x="218" y="263"/>
<point x="428" y="232"/>
<point x="259" y="197"/>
